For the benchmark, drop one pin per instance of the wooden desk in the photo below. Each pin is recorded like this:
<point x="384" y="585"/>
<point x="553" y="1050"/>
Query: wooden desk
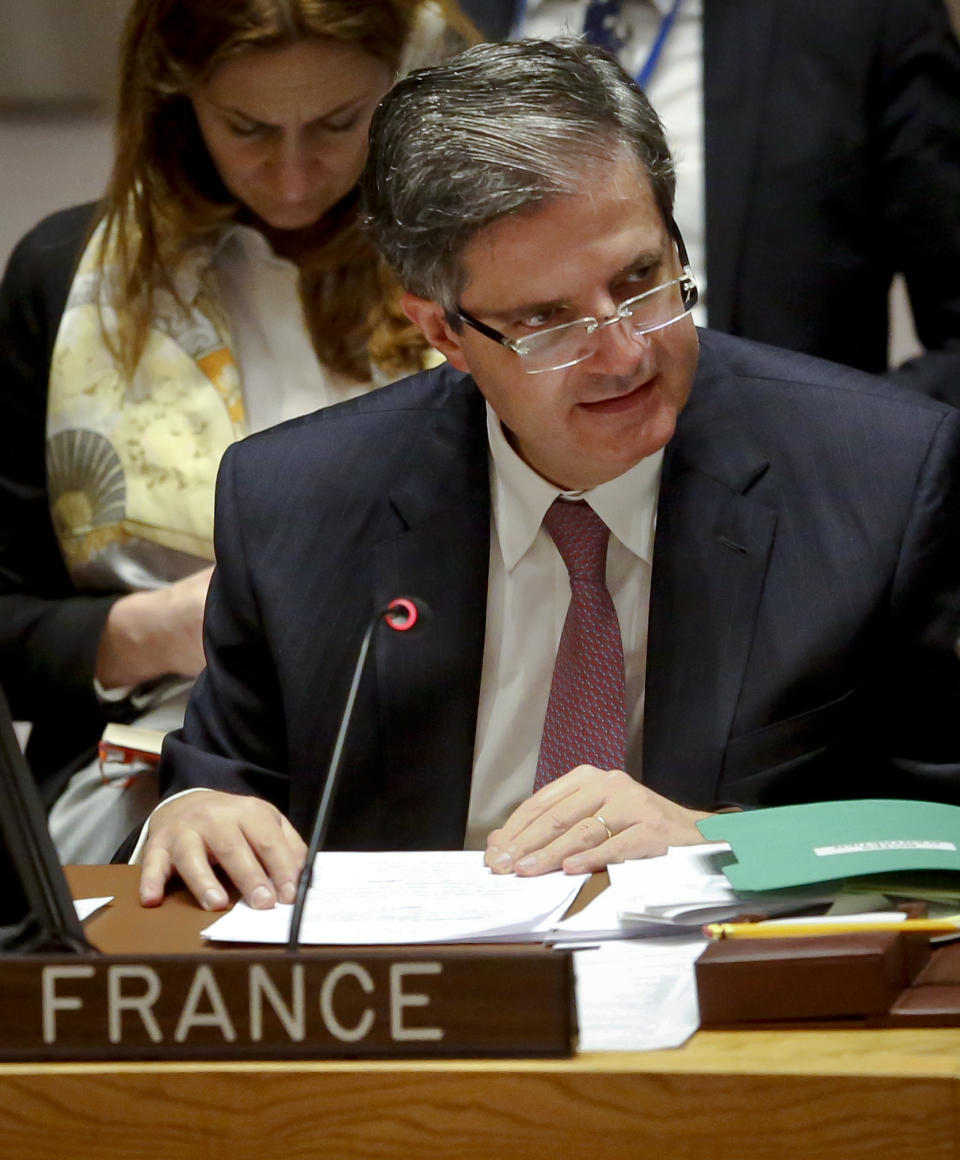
<point x="809" y="1095"/>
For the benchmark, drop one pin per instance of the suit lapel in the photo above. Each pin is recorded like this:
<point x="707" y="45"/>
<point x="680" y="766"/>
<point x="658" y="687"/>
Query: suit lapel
<point x="441" y="556"/>
<point x="709" y="563"/>
<point x="737" y="38"/>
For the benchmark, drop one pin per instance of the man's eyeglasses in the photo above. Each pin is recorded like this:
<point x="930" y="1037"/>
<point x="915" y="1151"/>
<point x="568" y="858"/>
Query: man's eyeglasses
<point x="559" y="347"/>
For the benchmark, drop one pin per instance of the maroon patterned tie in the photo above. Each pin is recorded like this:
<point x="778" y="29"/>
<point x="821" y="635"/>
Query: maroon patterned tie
<point x="586" y="713"/>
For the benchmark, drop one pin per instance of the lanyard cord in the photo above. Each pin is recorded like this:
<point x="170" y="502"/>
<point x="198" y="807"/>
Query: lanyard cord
<point x="644" y="76"/>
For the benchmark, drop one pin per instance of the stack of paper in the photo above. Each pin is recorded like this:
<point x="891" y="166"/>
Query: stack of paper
<point x="688" y="887"/>
<point x="407" y="898"/>
<point x="681" y="890"/>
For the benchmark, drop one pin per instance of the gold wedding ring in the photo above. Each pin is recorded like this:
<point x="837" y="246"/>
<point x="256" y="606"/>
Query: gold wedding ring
<point x="605" y="826"/>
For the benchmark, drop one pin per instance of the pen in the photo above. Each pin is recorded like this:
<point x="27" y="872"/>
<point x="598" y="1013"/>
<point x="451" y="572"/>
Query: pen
<point x="947" y="925"/>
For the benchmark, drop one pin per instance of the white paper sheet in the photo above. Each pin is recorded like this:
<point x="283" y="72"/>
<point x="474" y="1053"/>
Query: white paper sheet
<point x="685" y="875"/>
<point x="600" y="920"/>
<point x="644" y="892"/>
<point x="87" y="906"/>
<point x="409" y="897"/>
<point x="686" y="887"/>
<point x="638" y="994"/>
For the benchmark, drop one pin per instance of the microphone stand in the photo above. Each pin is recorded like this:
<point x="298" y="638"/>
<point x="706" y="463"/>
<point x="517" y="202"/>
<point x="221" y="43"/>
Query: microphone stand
<point x="401" y="614"/>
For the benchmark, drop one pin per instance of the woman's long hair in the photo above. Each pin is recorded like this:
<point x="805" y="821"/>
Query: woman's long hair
<point x="165" y="192"/>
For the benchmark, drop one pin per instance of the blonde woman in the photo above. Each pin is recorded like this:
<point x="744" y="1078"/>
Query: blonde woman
<point x="221" y="285"/>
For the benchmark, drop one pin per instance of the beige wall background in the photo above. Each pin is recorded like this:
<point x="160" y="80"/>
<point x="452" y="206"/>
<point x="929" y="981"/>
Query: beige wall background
<point x="57" y="69"/>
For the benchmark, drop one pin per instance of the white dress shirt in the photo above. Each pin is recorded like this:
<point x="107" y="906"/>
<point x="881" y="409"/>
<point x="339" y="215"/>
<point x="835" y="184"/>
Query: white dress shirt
<point x="279" y="369"/>
<point x="527" y="597"/>
<point x="675" y="91"/>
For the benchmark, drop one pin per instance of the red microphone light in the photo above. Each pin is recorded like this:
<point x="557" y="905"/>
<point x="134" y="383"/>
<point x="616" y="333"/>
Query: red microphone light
<point x="405" y="616"/>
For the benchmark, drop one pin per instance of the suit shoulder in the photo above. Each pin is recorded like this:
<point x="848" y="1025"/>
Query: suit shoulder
<point x="740" y="368"/>
<point x="757" y="411"/>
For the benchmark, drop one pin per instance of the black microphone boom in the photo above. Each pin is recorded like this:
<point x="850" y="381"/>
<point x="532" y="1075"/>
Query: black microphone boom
<point x="401" y="615"/>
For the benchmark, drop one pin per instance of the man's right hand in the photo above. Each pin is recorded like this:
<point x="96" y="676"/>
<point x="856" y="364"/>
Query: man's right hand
<point x="251" y="841"/>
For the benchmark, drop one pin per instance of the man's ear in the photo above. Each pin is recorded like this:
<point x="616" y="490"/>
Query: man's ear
<point x="431" y="318"/>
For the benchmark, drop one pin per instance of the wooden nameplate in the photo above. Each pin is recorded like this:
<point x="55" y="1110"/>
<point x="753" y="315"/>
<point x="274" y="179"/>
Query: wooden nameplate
<point x="874" y="979"/>
<point x="338" y="1003"/>
<point x="933" y="999"/>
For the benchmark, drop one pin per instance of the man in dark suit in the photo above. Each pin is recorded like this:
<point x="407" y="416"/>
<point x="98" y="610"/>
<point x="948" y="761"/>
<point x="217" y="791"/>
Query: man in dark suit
<point x="792" y="640"/>
<point x="831" y="138"/>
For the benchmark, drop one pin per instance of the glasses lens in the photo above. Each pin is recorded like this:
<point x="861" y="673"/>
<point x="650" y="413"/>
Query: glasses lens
<point x="561" y="346"/>
<point x="656" y="308"/>
<point x="565" y="346"/>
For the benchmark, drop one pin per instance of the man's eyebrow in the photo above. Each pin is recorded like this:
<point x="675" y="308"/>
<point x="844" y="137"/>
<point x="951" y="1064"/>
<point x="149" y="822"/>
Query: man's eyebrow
<point x="521" y="311"/>
<point x="644" y="258"/>
<point x="650" y="257"/>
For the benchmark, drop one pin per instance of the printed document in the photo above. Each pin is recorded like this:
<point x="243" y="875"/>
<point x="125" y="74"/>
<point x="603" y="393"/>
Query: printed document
<point x="370" y="899"/>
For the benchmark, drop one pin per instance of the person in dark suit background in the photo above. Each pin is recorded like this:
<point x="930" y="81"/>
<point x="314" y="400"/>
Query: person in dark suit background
<point x="783" y="549"/>
<point x="830" y="145"/>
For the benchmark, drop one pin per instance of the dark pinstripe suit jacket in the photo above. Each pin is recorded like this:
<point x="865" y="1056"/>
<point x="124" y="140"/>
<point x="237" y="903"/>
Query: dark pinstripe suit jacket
<point x="803" y="608"/>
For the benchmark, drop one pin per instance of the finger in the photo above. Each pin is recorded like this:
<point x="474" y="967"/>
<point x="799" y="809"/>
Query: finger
<point x="282" y="853"/>
<point x="185" y="855"/>
<point x="193" y="861"/>
<point x="155" y="870"/>
<point x="544" y="800"/>
<point x="599" y="858"/>
<point x="640" y="840"/>
<point x="540" y="818"/>
<point x="588" y="835"/>
<point x="586" y="794"/>
<point x="233" y="849"/>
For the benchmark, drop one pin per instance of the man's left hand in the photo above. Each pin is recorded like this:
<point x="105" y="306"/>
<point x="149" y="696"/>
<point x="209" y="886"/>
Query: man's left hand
<point x="587" y="819"/>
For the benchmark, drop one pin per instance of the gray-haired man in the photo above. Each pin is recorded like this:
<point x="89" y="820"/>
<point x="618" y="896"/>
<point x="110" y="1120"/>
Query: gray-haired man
<point x="782" y="551"/>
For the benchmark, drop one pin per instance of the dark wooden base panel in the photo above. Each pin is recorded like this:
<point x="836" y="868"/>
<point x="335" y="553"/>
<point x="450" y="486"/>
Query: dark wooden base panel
<point x="870" y="979"/>
<point x="829" y="977"/>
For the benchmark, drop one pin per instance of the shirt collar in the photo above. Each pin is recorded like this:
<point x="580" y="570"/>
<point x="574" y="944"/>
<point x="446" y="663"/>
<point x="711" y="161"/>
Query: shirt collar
<point x="520" y="498"/>
<point x="250" y="243"/>
<point x="192" y="264"/>
<point x="234" y="240"/>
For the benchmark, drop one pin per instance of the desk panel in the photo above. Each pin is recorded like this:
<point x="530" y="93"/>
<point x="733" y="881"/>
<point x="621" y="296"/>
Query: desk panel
<point x="755" y="1095"/>
<point x="622" y="1107"/>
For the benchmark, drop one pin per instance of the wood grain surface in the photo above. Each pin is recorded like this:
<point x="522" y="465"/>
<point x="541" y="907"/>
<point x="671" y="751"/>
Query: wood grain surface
<point x="593" y="1106"/>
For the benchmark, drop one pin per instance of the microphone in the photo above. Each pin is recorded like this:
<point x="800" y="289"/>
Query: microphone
<point x="401" y="614"/>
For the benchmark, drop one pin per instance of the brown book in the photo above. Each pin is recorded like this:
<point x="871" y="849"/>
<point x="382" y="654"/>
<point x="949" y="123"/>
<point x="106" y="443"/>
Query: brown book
<point x="125" y="751"/>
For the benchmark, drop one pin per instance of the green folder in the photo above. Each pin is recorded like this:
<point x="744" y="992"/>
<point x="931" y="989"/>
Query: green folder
<point x="825" y="841"/>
